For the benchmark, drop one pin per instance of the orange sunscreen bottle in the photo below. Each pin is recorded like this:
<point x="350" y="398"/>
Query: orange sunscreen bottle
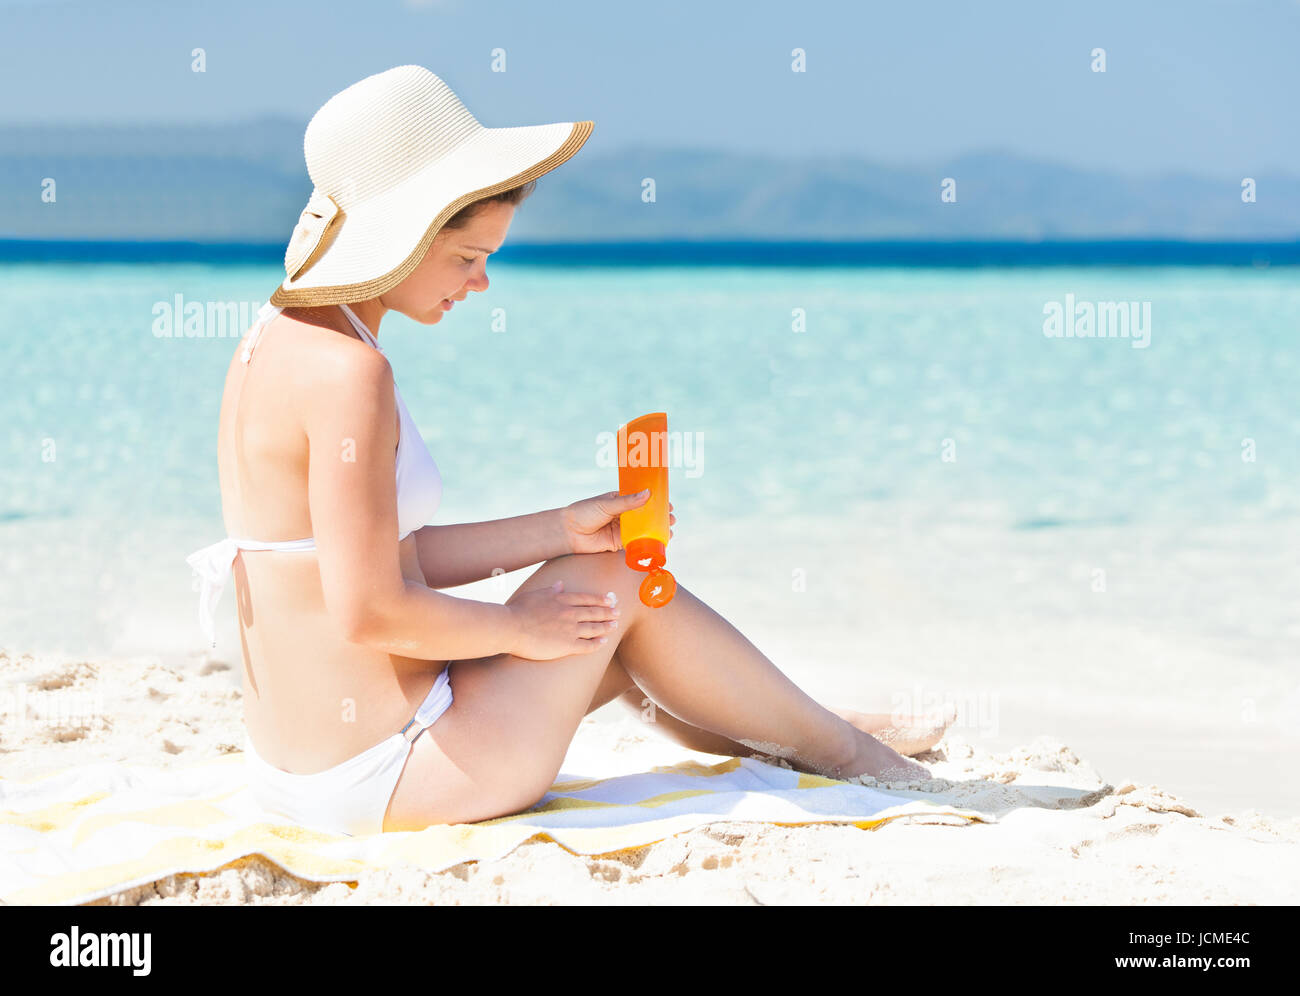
<point x="643" y="463"/>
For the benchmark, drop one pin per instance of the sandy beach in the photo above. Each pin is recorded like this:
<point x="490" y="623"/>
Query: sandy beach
<point x="1066" y="832"/>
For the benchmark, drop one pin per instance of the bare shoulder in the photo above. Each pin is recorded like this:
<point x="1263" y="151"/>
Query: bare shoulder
<point x="334" y="379"/>
<point x="331" y="368"/>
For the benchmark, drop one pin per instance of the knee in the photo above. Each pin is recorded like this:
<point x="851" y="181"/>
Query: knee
<point x="607" y="570"/>
<point x="597" y="573"/>
<point x="607" y="560"/>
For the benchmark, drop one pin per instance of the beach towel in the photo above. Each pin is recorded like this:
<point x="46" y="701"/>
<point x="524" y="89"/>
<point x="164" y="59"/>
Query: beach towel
<point x="84" y="833"/>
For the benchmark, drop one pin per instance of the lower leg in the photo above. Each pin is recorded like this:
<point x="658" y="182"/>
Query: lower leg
<point x="909" y="735"/>
<point x="704" y="673"/>
<point x="618" y="684"/>
<point x="688" y="736"/>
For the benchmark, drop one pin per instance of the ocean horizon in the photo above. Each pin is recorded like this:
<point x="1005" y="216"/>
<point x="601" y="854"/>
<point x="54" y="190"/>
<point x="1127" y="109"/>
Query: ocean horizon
<point x="1143" y="252"/>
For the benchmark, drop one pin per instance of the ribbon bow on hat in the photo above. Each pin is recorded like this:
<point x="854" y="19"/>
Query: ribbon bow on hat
<point x="318" y="220"/>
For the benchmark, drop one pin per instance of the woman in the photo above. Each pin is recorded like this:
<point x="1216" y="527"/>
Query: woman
<point x="350" y="650"/>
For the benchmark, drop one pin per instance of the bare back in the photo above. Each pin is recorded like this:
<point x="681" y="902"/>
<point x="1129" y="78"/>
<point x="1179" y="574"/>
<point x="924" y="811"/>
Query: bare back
<point x="311" y="698"/>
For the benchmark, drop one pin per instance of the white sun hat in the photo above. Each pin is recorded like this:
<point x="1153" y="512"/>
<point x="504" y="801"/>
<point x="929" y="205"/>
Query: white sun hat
<point x="391" y="159"/>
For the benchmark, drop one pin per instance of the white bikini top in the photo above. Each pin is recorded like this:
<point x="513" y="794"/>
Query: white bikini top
<point x="419" y="492"/>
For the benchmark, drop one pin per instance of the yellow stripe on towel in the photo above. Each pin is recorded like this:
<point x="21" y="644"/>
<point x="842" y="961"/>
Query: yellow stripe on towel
<point x="50" y="817"/>
<point x="190" y="814"/>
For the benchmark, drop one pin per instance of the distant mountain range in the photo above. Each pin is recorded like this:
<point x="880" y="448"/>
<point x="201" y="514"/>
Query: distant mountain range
<point x="247" y="182"/>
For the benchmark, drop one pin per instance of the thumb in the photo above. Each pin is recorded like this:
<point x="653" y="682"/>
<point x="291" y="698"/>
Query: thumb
<point x="636" y="498"/>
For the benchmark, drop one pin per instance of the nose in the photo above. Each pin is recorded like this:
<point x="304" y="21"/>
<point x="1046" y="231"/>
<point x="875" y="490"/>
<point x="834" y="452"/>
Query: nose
<point x="478" y="280"/>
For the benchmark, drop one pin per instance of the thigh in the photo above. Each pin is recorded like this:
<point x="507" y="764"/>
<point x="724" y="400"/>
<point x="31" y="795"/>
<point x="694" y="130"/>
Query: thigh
<point x="499" y="746"/>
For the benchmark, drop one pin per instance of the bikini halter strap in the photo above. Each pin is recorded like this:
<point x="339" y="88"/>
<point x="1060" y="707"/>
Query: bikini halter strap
<point x="264" y="315"/>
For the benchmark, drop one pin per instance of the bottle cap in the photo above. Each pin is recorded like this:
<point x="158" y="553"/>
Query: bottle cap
<point x="658" y="588"/>
<point x="645" y="548"/>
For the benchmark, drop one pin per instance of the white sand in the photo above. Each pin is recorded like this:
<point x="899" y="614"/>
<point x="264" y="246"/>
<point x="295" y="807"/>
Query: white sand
<point x="1067" y="833"/>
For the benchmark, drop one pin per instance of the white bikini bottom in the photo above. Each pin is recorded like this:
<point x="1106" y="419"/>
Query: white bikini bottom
<point x="351" y="797"/>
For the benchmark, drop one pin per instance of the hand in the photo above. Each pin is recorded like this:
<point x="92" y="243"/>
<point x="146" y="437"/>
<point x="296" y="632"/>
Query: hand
<point x="591" y="525"/>
<point x="551" y="622"/>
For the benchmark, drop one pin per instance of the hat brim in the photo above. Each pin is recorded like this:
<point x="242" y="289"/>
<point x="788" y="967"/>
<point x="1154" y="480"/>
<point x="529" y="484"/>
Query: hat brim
<point x="379" y="242"/>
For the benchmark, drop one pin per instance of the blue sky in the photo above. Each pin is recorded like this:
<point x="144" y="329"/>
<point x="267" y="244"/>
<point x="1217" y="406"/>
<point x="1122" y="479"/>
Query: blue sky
<point x="1201" y="86"/>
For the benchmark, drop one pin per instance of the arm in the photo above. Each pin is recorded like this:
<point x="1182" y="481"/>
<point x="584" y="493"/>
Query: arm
<point x="352" y="491"/>
<point x="469" y="551"/>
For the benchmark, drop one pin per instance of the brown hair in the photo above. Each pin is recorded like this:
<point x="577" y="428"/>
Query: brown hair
<point x="515" y="196"/>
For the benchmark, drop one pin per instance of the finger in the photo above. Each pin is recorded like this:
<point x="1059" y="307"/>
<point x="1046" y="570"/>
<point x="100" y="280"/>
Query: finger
<point x="596" y="613"/>
<point x="636" y="498"/>
<point x="586" y="598"/>
<point x="595" y="630"/>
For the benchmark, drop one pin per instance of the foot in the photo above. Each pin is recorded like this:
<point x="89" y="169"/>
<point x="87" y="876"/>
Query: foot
<point x="863" y="756"/>
<point x="884" y="764"/>
<point x="908" y="735"/>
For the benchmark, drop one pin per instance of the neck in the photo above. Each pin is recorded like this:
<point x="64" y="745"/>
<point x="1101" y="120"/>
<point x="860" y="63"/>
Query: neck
<point x="371" y="313"/>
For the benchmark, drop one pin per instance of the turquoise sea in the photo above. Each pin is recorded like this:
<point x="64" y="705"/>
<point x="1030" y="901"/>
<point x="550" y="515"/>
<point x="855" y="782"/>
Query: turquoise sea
<point x="895" y="483"/>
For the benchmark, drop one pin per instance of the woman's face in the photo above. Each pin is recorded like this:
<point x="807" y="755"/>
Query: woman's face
<point x="455" y="264"/>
